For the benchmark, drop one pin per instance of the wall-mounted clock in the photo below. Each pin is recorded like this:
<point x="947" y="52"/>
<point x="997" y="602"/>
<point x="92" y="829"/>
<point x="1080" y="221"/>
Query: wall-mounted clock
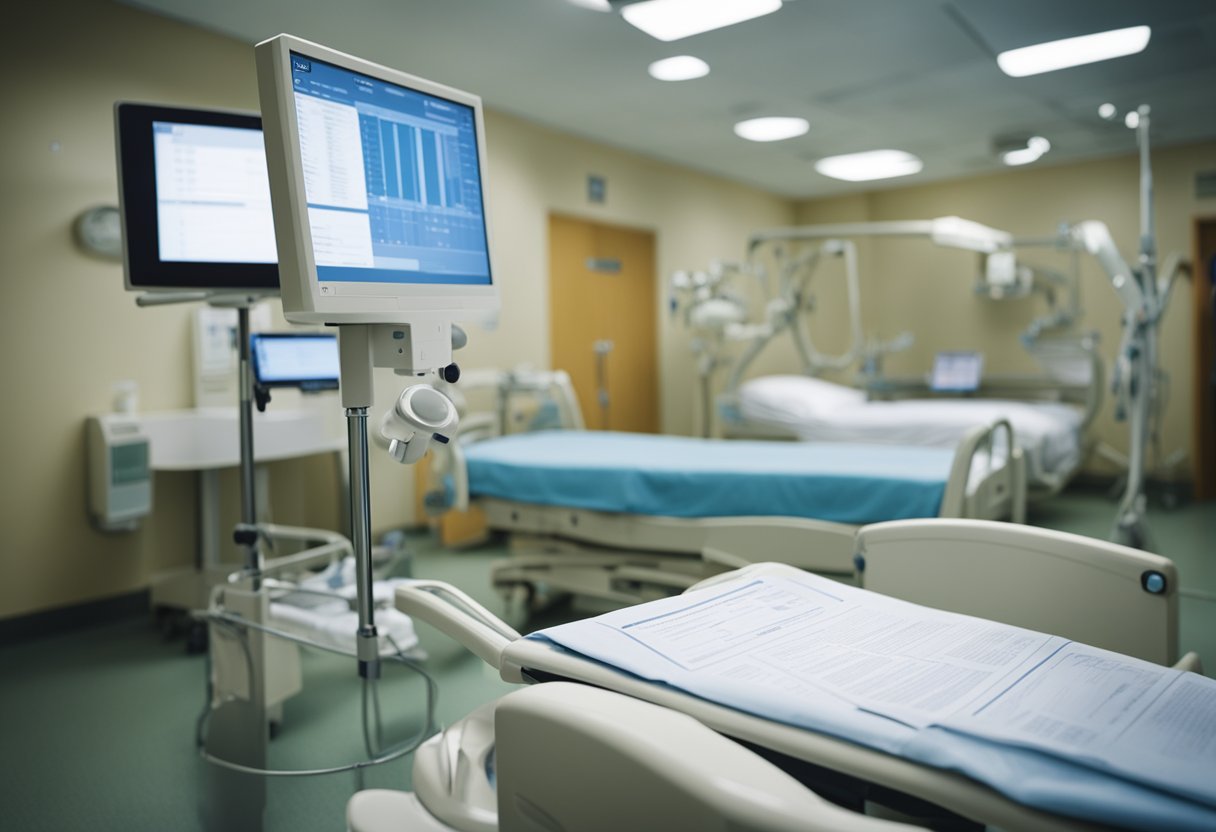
<point x="99" y="231"/>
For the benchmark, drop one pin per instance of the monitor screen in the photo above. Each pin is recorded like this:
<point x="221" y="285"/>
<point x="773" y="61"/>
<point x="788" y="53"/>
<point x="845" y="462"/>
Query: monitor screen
<point x="379" y="190"/>
<point x="212" y="194"/>
<point x="305" y="360"/>
<point x="392" y="180"/>
<point x="195" y="200"/>
<point x="957" y="372"/>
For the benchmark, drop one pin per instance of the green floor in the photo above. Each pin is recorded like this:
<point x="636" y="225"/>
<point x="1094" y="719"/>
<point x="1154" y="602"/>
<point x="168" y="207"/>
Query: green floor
<point x="99" y="725"/>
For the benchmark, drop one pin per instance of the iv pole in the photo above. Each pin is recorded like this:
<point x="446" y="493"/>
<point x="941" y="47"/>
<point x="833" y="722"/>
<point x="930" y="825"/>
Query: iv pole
<point x="239" y="725"/>
<point x="1130" y="527"/>
<point x="245" y="533"/>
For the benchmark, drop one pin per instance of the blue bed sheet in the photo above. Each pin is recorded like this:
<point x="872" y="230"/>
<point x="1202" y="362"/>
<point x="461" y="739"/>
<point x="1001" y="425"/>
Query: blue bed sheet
<point x="677" y="476"/>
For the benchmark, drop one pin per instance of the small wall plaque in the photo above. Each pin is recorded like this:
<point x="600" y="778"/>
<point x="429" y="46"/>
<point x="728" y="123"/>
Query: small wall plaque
<point x="596" y="189"/>
<point x="604" y="265"/>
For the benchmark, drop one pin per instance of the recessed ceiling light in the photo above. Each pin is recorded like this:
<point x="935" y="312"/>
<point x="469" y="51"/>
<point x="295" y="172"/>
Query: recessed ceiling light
<point x="1108" y="111"/>
<point x="771" y="128"/>
<point x="1035" y="147"/>
<point x="872" y="164"/>
<point x="679" y="68"/>
<point x="1061" y="54"/>
<point x="674" y="19"/>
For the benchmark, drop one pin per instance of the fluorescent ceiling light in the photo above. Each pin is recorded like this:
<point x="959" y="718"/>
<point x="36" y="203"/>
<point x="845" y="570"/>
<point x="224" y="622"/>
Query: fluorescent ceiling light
<point x="1061" y="54"/>
<point x="872" y="164"/>
<point x="597" y="5"/>
<point x="771" y="128"/>
<point x="679" y="68"/>
<point x="1035" y="147"/>
<point x="674" y="19"/>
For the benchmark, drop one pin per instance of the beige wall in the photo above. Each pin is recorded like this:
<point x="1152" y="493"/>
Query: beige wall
<point x="912" y="285"/>
<point x="68" y="330"/>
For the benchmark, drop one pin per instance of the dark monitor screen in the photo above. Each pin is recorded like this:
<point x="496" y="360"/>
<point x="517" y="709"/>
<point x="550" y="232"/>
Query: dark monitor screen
<point x="956" y="372"/>
<point x="305" y="360"/>
<point x="195" y="200"/>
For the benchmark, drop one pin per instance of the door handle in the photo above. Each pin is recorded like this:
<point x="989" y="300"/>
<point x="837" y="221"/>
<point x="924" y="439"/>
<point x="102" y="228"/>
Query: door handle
<point x="602" y="348"/>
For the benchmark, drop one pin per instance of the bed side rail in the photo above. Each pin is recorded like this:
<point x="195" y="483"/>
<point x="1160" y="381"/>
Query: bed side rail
<point x="1002" y="489"/>
<point x="459" y="617"/>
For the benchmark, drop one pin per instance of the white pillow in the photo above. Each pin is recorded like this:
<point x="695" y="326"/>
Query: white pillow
<point x="796" y="397"/>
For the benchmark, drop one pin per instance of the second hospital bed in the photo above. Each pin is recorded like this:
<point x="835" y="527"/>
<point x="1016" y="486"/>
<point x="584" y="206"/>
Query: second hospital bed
<point x="623" y="517"/>
<point x="1048" y="433"/>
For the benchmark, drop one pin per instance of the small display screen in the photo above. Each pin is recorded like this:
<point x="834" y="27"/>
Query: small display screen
<point x="212" y="194"/>
<point x="129" y="463"/>
<point x="957" y="372"/>
<point x="288" y="360"/>
<point x="392" y="178"/>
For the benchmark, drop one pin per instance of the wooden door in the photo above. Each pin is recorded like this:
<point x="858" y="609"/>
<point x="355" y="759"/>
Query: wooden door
<point x="603" y="321"/>
<point x="1204" y="381"/>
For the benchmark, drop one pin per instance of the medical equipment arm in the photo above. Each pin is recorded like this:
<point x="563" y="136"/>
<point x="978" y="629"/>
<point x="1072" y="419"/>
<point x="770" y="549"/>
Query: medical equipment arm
<point x="812" y="359"/>
<point x="1093" y="237"/>
<point x="951" y="232"/>
<point x="1175" y="266"/>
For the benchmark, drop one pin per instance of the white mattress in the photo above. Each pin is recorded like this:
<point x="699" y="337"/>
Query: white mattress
<point x="811" y="409"/>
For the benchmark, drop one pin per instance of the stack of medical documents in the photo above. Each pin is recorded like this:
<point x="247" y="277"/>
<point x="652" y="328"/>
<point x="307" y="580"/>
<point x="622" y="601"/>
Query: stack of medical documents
<point x="1048" y="722"/>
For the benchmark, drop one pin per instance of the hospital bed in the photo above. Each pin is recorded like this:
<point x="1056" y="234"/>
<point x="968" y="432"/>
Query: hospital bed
<point x="1050" y="434"/>
<point x="624" y="517"/>
<point x="612" y="761"/>
<point x="1049" y="411"/>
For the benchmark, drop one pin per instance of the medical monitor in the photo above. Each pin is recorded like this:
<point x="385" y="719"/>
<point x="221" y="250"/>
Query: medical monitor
<point x="956" y="372"/>
<point x="306" y="360"/>
<point x="377" y="179"/>
<point x="194" y="199"/>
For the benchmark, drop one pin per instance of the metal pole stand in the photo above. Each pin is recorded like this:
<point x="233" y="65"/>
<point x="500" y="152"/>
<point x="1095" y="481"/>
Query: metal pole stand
<point x="1131" y="527"/>
<point x="355" y="355"/>
<point x="239" y="727"/>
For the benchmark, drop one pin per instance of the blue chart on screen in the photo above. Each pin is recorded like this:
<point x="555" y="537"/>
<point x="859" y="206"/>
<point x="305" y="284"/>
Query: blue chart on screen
<point x="393" y="180"/>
